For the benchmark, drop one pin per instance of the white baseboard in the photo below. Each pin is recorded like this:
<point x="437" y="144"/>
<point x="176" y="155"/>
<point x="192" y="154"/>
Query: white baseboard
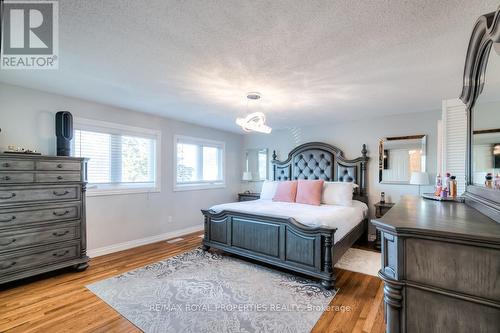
<point x="143" y="241"/>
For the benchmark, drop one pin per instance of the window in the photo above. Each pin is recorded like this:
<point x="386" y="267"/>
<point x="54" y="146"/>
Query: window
<point x="122" y="159"/>
<point x="199" y="163"/>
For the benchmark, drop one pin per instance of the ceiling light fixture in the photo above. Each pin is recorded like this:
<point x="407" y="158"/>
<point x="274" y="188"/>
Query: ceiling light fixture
<point x="256" y="121"/>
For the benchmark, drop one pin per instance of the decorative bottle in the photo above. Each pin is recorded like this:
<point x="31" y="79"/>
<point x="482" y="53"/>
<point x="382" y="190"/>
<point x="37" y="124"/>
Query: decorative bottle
<point x="497" y="182"/>
<point x="446" y="184"/>
<point x="439" y="185"/>
<point x="453" y="186"/>
<point x="489" y="180"/>
<point x="444" y="193"/>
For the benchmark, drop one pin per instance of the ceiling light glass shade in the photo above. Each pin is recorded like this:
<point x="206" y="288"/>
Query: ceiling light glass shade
<point x="254" y="122"/>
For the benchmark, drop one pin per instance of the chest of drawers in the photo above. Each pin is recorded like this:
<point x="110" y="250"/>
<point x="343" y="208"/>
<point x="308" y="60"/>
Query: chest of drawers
<point x="440" y="267"/>
<point x="42" y="215"/>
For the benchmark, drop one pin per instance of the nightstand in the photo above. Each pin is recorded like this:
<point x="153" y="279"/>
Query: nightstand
<point x="380" y="210"/>
<point x="248" y="196"/>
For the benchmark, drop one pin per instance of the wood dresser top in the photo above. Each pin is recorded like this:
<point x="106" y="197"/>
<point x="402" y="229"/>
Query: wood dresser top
<point x="415" y="215"/>
<point x="40" y="157"/>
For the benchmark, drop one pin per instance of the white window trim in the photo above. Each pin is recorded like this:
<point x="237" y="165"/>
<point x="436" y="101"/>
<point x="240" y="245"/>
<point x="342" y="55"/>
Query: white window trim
<point x="98" y="125"/>
<point x="199" y="185"/>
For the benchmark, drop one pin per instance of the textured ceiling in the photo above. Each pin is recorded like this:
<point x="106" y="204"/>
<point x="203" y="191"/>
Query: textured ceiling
<point x="312" y="61"/>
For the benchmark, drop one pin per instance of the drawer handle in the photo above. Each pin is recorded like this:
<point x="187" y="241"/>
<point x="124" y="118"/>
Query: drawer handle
<point x="59" y="166"/>
<point x="59" y="194"/>
<point x="6" y="178"/>
<point x="59" y="234"/>
<point x="12" y="195"/>
<point x="12" y="218"/>
<point x="6" y="165"/>
<point x="13" y="240"/>
<point x="55" y="254"/>
<point x="61" y="214"/>
<point x="8" y="266"/>
<point x="60" y="177"/>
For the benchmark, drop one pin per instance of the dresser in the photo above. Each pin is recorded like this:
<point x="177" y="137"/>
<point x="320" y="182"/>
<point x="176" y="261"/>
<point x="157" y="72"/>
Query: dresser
<point x="440" y="267"/>
<point x="380" y="209"/>
<point x="42" y="215"/>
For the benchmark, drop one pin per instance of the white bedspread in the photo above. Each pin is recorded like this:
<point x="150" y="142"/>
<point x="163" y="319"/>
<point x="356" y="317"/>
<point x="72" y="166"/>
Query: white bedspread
<point x="329" y="216"/>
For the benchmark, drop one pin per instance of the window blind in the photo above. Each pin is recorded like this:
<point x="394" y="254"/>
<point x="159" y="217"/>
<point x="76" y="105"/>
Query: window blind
<point x="118" y="158"/>
<point x="454" y="140"/>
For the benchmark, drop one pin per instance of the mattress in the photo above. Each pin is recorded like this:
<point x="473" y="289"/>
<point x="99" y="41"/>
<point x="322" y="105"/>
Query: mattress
<point x="343" y="218"/>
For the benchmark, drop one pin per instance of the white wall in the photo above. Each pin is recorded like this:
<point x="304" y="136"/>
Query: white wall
<point x="350" y="136"/>
<point x="27" y="120"/>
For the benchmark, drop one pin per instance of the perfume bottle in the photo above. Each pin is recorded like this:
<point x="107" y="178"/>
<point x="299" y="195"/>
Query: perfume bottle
<point x="382" y="197"/>
<point x="439" y="185"/>
<point x="453" y="186"/>
<point x="446" y="184"/>
<point x="497" y="182"/>
<point x="488" y="180"/>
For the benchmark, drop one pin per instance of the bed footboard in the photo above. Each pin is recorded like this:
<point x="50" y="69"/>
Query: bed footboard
<point x="278" y="241"/>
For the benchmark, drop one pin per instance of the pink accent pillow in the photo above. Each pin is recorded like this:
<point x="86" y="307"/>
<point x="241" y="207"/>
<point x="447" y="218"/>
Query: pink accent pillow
<point x="286" y="191"/>
<point x="309" y="192"/>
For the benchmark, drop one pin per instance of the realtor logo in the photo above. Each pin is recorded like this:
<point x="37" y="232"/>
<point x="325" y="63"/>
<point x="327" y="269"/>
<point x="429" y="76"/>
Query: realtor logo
<point x="29" y="35"/>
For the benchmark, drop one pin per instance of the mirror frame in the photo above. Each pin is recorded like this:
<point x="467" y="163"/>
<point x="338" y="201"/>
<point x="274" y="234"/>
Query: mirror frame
<point x="422" y="137"/>
<point x="486" y="32"/>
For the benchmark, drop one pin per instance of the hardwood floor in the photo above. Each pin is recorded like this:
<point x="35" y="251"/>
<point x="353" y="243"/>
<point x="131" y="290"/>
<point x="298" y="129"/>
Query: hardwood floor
<point x="61" y="303"/>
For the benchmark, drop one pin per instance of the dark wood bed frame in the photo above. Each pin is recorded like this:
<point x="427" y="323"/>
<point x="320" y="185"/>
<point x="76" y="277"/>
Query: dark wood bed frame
<point x="282" y="241"/>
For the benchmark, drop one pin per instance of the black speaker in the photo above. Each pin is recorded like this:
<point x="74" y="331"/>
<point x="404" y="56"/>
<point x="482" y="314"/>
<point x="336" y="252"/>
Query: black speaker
<point x="64" y="132"/>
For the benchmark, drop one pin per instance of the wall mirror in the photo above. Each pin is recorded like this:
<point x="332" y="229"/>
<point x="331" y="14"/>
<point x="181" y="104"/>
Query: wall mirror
<point x="400" y="156"/>
<point x="256" y="165"/>
<point x="481" y="95"/>
<point x="486" y="128"/>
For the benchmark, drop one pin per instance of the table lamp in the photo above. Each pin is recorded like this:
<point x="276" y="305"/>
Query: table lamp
<point x="419" y="178"/>
<point x="247" y="175"/>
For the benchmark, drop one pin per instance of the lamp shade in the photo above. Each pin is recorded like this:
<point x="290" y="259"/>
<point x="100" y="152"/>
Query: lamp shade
<point x="247" y="175"/>
<point x="419" y="178"/>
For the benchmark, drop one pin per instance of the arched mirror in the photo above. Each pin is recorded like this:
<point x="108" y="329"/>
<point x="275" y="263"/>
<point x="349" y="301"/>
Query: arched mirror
<point x="481" y="95"/>
<point x="486" y="127"/>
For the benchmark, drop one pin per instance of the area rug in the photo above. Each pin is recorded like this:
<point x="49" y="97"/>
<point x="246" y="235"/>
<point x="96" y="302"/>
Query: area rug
<point x="361" y="261"/>
<point x="203" y="291"/>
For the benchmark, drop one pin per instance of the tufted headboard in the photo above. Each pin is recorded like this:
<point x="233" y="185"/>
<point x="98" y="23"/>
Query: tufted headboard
<point x="318" y="160"/>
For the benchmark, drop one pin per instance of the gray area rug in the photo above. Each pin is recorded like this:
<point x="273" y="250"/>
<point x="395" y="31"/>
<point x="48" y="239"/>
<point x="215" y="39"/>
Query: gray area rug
<point x="203" y="291"/>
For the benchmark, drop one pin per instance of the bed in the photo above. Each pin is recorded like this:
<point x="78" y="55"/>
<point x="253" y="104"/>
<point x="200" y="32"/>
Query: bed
<point x="306" y="240"/>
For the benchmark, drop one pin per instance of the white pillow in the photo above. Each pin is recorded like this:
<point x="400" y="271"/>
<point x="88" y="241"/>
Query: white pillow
<point x="268" y="190"/>
<point x="354" y="185"/>
<point x="338" y="193"/>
